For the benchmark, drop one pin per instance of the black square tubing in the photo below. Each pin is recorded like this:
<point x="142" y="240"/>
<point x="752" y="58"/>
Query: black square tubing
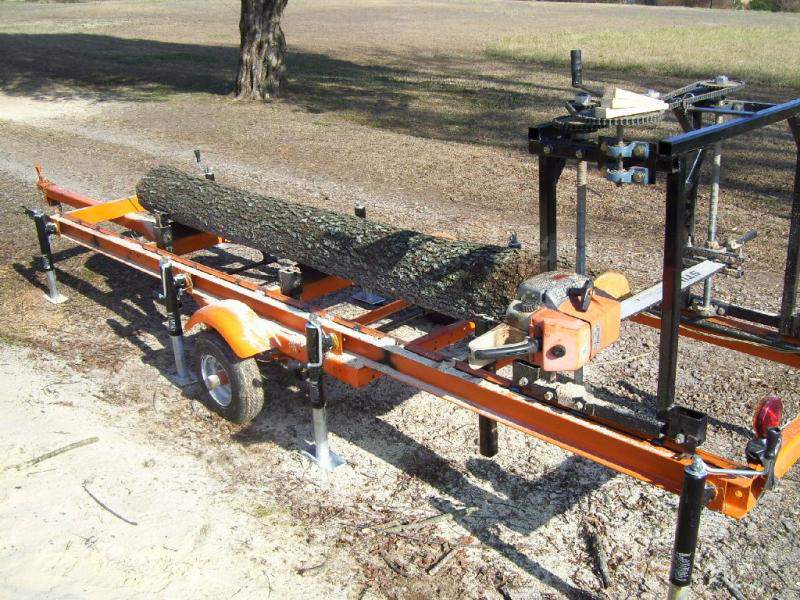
<point x="676" y="228"/>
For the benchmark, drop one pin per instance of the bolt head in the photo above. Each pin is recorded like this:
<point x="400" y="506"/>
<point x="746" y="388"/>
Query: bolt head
<point x="523" y="381"/>
<point x="579" y="154"/>
<point x="547" y="150"/>
<point x="548" y="396"/>
<point x="638" y="177"/>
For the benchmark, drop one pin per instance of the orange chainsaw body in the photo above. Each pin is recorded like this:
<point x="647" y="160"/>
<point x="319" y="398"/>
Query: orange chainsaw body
<point x="571" y="337"/>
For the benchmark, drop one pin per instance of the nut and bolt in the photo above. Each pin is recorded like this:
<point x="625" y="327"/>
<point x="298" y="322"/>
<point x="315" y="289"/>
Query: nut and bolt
<point x="549" y="396"/>
<point x="639" y="150"/>
<point x="523" y="381"/>
<point x="578" y="153"/>
<point x="638" y="177"/>
<point x="547" y="149"/>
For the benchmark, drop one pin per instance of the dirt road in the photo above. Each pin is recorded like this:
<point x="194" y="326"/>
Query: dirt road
<point x="392" y="104"/>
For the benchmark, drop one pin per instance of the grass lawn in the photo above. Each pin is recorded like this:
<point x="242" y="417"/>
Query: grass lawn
<point x="765" y="55"/>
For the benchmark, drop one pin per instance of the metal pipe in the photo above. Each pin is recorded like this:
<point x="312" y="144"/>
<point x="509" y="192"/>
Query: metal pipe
<point x="487" y="436"/>
<point x="580" y="234"/>
<point x="693" y="140"/>
<point x="792" y="269"/>
<point x="675" y="235"/>
<point x="549" y="173"/>
<point x="716" y="167"/>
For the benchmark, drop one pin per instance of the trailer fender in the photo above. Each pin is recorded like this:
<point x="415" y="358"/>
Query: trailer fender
<point x="244" y="331"/>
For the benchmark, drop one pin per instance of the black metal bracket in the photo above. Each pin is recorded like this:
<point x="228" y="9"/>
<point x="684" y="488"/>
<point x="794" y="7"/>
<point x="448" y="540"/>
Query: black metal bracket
<point x="686" y="427"/>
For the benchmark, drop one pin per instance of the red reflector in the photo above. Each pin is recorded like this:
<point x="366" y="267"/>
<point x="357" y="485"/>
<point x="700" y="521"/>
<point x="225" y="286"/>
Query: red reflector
<point x="769" y="412"/>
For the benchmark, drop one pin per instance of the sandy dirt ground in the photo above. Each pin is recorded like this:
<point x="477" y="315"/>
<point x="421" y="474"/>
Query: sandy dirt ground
<point x="392" y="104"/>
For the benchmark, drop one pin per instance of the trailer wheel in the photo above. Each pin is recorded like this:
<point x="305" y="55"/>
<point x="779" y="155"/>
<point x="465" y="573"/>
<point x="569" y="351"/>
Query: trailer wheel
<point x="230" y="386"/>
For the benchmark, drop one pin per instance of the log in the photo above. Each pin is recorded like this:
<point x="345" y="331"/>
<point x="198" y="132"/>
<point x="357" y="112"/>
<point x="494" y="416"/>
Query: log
<point x="458" y="278"/>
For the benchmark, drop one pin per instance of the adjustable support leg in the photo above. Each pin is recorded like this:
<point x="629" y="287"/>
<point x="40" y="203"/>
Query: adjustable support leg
<point x="320" y="452"/>
<point x="690" y="508"/>
<point x="169" y="294"/>
<point x="44" y="229"/>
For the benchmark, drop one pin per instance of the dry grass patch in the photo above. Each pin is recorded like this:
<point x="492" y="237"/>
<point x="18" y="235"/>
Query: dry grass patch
<point x="766" y="55"/>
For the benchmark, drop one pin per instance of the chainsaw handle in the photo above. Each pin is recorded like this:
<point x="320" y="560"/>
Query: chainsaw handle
<point x="524" y="348"/>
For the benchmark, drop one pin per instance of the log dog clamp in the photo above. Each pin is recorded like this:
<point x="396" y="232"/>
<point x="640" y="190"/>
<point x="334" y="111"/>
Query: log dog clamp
<point x="317" y="344"/>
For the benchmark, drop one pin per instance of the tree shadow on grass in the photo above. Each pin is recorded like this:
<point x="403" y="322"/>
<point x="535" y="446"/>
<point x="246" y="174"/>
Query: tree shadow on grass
<point x="435" y="97"/>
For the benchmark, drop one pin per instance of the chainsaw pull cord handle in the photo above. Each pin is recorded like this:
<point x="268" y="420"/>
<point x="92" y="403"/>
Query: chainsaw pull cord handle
<point x="523" y="348"/>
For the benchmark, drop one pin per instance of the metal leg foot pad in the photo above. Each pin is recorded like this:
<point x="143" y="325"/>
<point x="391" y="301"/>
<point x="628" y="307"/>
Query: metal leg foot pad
<point x="326" y="463"/>
<point x="58" y="299"/>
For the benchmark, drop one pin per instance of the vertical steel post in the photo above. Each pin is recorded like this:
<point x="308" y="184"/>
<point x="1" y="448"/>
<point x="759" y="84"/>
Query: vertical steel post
<point x="44" y="229"/>
<point x="691" y="193"/>
<point x="487" y="436"/>
<point x="365" y="294"/>
<point x="792" y="269"/>
<point x="580" y="230"/>
<point x="713" y="205"/>
<point x="675" y="235"/>
<point x="320" y="453"/>
<point x="169" y="291"/>
<point x="549" y="173"/>
<point x="690" y="509"/>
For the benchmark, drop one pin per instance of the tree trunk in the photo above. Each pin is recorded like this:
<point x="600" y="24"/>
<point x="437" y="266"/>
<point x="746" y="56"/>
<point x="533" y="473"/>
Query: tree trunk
<point x="454" y="277"/>
<point x="262" y="72"/>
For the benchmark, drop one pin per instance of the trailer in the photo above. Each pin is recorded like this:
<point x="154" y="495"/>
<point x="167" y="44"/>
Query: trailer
<point x="526" y="372"/>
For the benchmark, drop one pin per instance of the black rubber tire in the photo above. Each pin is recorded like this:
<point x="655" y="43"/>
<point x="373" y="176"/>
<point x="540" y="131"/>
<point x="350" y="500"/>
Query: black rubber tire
<point x="247" y="386"/>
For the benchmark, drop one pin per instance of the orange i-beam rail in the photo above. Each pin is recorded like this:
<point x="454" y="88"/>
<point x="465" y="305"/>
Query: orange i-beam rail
<point x="364" y="354"/>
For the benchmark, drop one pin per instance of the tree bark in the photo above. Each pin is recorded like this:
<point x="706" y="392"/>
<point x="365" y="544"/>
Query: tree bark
<point x="262" y="50"/>
<point x="457" y="278"/>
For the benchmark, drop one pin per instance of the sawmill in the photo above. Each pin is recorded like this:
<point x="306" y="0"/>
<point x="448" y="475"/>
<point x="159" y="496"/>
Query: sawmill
<point x="509" y="327"/>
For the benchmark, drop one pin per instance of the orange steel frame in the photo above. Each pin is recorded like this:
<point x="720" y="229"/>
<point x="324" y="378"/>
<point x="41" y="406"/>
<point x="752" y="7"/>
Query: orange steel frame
<point x="364" y="354"/>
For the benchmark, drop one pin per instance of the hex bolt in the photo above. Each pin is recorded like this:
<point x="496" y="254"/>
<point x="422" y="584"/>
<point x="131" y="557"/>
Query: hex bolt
<point x="523" y="381"/>
<point x="639" y="150"/>
<point x="548" y="396"/>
